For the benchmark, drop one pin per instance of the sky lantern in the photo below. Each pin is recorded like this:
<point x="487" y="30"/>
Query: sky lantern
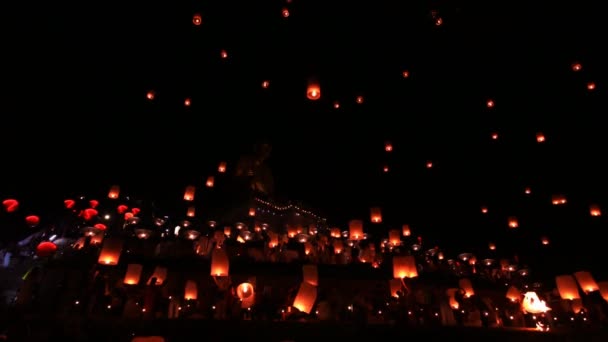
<point x="285" y="12"/>
<point x="265" y="84"/>
<point x="46" y="249"/>
<point x="590" y="85"/>
<point x="405" y="230"/>
<point x="404" y="267"/>
<point x="484" y="210"/>
<point x="451" y="294"/>
<point x="187" y="102"/>
<point x="429" y="164"/>
<point x="150" y="95"/>
<point x="338" y="246"/>
<point x="10" y="205"/>
<point x="558" y="199"/>
<point x="191" y="290"/>
<point x="222" y="167"/>
<point x="544" y="240"/>
<point x="359" y="99"/>
<point x="405" y="74"/>
<point x="310" y="274"/>
<point x="603" y="285"/>
<point x="197" y="19"/>
<point x="376" y="215"/>
<point x="513" y="294"/>
<point x="114" y="192"/>
<point x="189" y="193"/>
<point x="220" y="264"/>
<point x="492" y="246"/>
<point x="394" y="237"/>
<point x="513" y="222"/>
<point x="305" y="298"/>
<point x="121" y="209"/>
<point x="490" y="103"/>
<point x="494" y="136"/>
<point x="335" y="232"/>
<point x="246" y="293"/>
<point x="355" y="229"/>
<point x="69" y="203"/>
<point x="467" y="286"/>
<point x="594" y="210"/>
<point x="577" y="66"/>
<point x="385" y="169"/>
<point x="388" y="147"/>
<point x="313" y="92"/>
<point x="88" y="214"/>
<point x="252" y="211"/>
<point x="527" y="191"/>
<point x="224" y="54"/>
<point x="210" y="182"/>
<point x="395" y="287"/>
<point x="110" y="252"/>
<point x="586" y="281"/>
<point x="100" y="226"/>
<point x="160" y="274"/>
<point x="566" y="286"/>
<point x="32" y="220"/>
<point x="191" y="212"/>
<point x="540" y="137"/>
<point x="133" y="274"/>
<point x="93" y="203"/>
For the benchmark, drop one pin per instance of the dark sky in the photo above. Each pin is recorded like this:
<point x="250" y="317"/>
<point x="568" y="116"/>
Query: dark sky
<point x="76" y="117"/>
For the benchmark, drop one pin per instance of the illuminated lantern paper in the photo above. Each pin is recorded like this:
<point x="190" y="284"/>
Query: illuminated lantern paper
<point x="532" y="304"/>
<point x="540" y="138"/>
<point x="338" y="246"/>
<point x="191" y="211"/>
<point x="191" y="290"/>
<point x="359" y="99"/>
<point x="110" y="251"/>
<point x="603" y="286"/>
<point x="187" y="102"/>
<point x="313" y="92"/>
<point x="306" y="297"/>
<point x="219" y="263"/>
<point x="222" y="167"/>
<point x="32" y="220"/>
<point x="594" y="210"/>
<point x="150" y="95"/>
<point x="451" y="294"/>
<point x="558" y="199"/>
<point x="10" y="205"/>
<point x="466" y="285"/>
<point x="69" y="203"/>
<point x="210" y="182"/>
<point x="492" y="246"/>
<point x="274" y="240"/>
<point x="513" y="294"/>
<point x="46" y="249"/>
<point x="133" y="274"/>
<point x="513" y="222"/>
<point x="586" y="281"/>
<point x="576" y="305"/>
<point x="388" y="147"/>
<point x="197" y="19"/>
<point x="310" y="274"/>
<point x="544" y="240"/>
<point x="376" y="215"/>
<point x="395" y="287"/>
<point x="355" y="228"/>
<point x="160" y="273"/>
<point x="394" y="237"/>
<point x="246" y="293"/>
<point x="567" y="288"/>
<point x="189" y="193"/>
<point x="405" y="230"/>
<point x="335" y="233"/>
<point x="251" y="211"/>
<point x="404" y="267"/>
<point x="114" y="192"/>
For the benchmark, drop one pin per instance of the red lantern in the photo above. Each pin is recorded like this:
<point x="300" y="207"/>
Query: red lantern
<point x="46" y="249"/>
<point x="314" y="91"/>
<point x="69" y="203"/>
<point x="93" y="203"/>
<point x="32" y="220"/>
<point x="88" y="214"/>
<point x="10" y="205"/>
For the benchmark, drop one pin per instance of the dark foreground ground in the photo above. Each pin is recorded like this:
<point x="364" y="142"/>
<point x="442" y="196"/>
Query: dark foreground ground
<point x="200" y="330"/>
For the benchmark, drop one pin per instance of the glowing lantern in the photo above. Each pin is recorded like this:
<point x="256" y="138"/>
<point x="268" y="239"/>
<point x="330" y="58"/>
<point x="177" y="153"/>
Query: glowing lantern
<point x="513" y="222"/>
<point x="197" y="19"/>
<point x="484" y="210"/>
<point x="576" y="305"/>
<point x="355" y="228"/>
<point x="404" y="267"/>
<point x="220" y="263"/>
<point x="492" y="246"/>
<point x="210" y="182"/>
<point x="595" y="210"/>
<point x="306" y="297"/>
<point x="566" y="286"/>
<point x="544" y="240"/>
<point x="89" y="214"/>
<point x="359" y="99"/>
<point x="187" y="102"/>
<point x="10" y="205"/>
<point x="265" y="84"/>
<point x="110" y="252"/>
<point x="252" y="211"/>
<point x="532" y="304"/>
<point x="466" y="285"/>
<point x="100" y="226"/>
<point x="527" y="191"/>
<point x="160" y="274"/>
<point x="310" y="274"/>
<point x="246" y="293"/>
<point x="224" y="54"/>
<point x="191" y="290"/>
<point x="285" y="12"/>
<point x="114" y="192"/>
<point x="558" y="199"/>
<point x="133" y="274"/>
<point x="591" y="86"/>
<point x="338" y="246"/>
<point x="313" y="92"/>
<point x="494" y="136"/>
<point x="586" y="281"/>
<point x="388" y="147"/>
<point x="335" y="233"/>
<point x="189" y="193"/>
<point x="222" y="167"/>
<point x="121" y="209"/>
<point x="274" y="240"/>
<point x="46" y="249"/>
<point x="490" y="103"/>
<point x="513" y="294"/>
<point x="603" y="286"/>
<point x="540" y="138"/>
<point x="93" y="203"/>
<point x="336" y="105"/>
<point x="394" y="237"/>
<point x="191" y="211"/>
<point x="32" y="220"/>
<point x="395" y="287"/>
<point x="150" y="95"/>
<point x="576" y="67"/>
<point x="376" y="215"/>
<point x="451" y="294"/>
<point x="405" y="74"/>
<point x="429" y="164"/>
<point x="405" y="230"/>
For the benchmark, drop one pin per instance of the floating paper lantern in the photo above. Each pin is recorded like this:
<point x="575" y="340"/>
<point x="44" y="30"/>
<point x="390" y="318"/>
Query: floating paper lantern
<point x="513" y="294"/>
<point x="594" y="210"/>
<point x="191" y="211"/>
<point x="388" y="147"/>
<point x="586" y="281"/>
<point x="394" y="237"/>
<point x="114" y="192"/>
<point x="46" y="249"/>
<point x="310" y="274"/>
<point x="540" y="137"/>
<point x="513" y="222"/>
<point x="355" y="228"/>
<point x="187" y="102"/>
<point x="404" y="267"/>
<point x="566" y="286"/>
<point x="306" y="297"/>
<point x="395" y="287"/>
<point x="251" y="211"/>
<point x="222" y="167"/>
<point x="466" y="285"/>
<point x="191" y="290"/>
<point x="338" y="246"/>
<point x="110" y="251"/>
<point x="603" y="286"/>
<point x="189" y="193"/>
<point x="313" y="92"/>
<point x="532" y="304"/>
<point x="133" y="274"/>
<point x="32" y="220"/>
<point x="405" y="230"/>
<point x="246" y="293"/>
<point x="160" y="274"/>
<point x="197" y="19"/>
<point x="10" y="205"/>
<point x="376" y="215"/>
<point x="492" y="246"/>
<point x="210" y="182"/>
<point x="558" y="199"/>
<point x="220" y="263"/>
<point x="150" y="95"/>
<point x="451" y="294"/>
<point x="335" y="233"/>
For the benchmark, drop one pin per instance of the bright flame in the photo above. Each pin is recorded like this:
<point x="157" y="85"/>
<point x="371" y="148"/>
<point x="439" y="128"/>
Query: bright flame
<point x="532" y="304"/>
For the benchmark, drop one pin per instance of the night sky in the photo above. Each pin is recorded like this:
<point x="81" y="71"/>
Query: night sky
<point x="76" y="116"/>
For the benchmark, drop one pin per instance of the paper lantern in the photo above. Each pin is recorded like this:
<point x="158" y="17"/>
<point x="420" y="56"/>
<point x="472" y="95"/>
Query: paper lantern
<point x="451" y="294"/>
<point x="110" y="251"/>
<point x="404" y="267"/>
<point x="405" y="230"/>
<point x="603" y="286"/>
<point x="313" y="92"/>
<point x="222" y="167"/>
<point x="513" y="222"/>
<point x="273" y="240"/>
<point x="210" y="182"/>
<point x="544" y="240"/>
<point x="576" y="305"/>
<point x="114" y="192"/>
<point x="191" y="211"/>
<point x="594" y="210"/>
<point x="355" y="228"/>
<point x="335" y="233"/>
<point x="586" y="281"/>
<point x="310" y="274"/>
<point x="395" y="287"/>
<point x="219" y="263"/>
<point x="394" y="237"/>
<point x="189" y="193"/>
<point x="246" y="293"/>
<point x="10" y="205"/>
<point x="466" y="285"/>
<point x="252" y="211"/>
<point x="513" y="294"/>
<point x="566" y="286"/>
<point x="558" y="199"/>
<point x="197" y="19"/>
<point x="492" y="246"/>
<point x="532" y="304"/>
<point x="306" y="297"/>
<point x="540" y="137"/>
<point x="338" y="246"/>
<point x="376" y="215"/>
<point x="388" y="147"/>
<point x="133" y="274"/>
<point x="46" y="249"/>
<point x="32" y="220"/>
<point x="191" y="290"/>
<point x="160" y="273"/>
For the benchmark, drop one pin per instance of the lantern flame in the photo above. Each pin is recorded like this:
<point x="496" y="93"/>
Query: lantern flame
<point x="532" y="304"/>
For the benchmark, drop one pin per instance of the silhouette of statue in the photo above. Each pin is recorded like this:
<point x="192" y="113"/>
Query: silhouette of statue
<point x="255" y="169"/>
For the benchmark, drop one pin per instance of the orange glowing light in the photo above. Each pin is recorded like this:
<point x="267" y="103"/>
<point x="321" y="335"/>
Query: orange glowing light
<point x="385" y="169"/>
<point x="429" y="164"/>
<point x="336" y="105"/>
<point x="222" y="167"/>
<point x="197" y="19"/>
<point x="527" y="191"/>
<point x="484" y="210"/>
<point x="359" y="99"/>
<point x="540" y="138"/>
<point x="187" y="102"/>
<point x="224" y="54"/>
<point x="591" y="86"/>
<point x="210" y="182"/>
<point x="10" y="205"/>
<point x="405" y="74"/>
<point x="544" y="240"/>
<point x="313" y="92"/>
<point x="150" y="95"/>
<point x="494" y="136"/>
<point x="594" y="210"/>
<point x="513" y="222"/>
<point x="285" y="12"/>
<point x="577" y="66"/>
<point x="490" y="103"/>
<point x="265" y="84"/>
<point x="388" y="147"/>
